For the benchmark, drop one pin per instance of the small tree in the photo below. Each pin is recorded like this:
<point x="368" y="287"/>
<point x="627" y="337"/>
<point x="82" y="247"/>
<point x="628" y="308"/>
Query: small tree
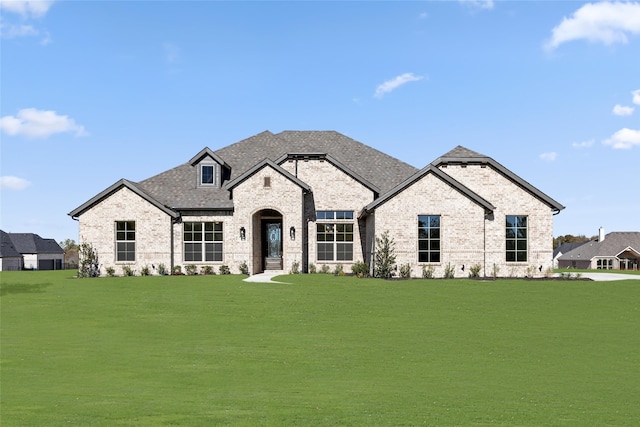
<point x="385" y="257"/>
<point x="89" y="263"/>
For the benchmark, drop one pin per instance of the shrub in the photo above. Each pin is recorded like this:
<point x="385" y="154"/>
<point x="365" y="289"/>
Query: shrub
<point x="474" y="271"/>
<point x="191" y="269"/>
<point x="360" y="269"/>
<point x="128" y="271"/>
<point x="89" y="263"/>
<point x="207" y="270"/>
<point x="325" y="269"/>
<point x="111" y="272"/>
<point x="427" y="271"/>
<point x="405" y="271"/>
<point x="385" y="256"/>
<point x="312" y="268"/>
<point x="295" y="267"/>
<point x="338" y="271"/>
<point x="162" y="270"/>
<point x="145" y="271"/>
<point x="177" y="270"/>
<point x="224" y="269"/>
<point x="244" y="269"/>
<point x="449" y="271"/>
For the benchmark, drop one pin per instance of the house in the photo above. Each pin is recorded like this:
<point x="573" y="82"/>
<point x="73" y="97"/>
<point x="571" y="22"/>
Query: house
<point x="273" y="201"/>
<point x="613" y="251"/>
<point x="29" y="251"/>
<point x="563" y="249"/>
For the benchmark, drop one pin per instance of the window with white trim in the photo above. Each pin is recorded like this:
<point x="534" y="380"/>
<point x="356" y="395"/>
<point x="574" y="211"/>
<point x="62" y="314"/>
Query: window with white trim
<point x="202" y="241"/>
<point x="125" y="241"/>
<point x="209" y="175"/>
<point x="334" y="235"/>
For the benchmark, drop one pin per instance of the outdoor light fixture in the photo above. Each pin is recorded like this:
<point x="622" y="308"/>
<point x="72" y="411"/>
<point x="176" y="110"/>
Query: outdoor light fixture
<point x="243" y="233"/>
<point x="292" y="233"/>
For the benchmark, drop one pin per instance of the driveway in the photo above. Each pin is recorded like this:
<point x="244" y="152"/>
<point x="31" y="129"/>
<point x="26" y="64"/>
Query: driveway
<point x="606" y="277"/>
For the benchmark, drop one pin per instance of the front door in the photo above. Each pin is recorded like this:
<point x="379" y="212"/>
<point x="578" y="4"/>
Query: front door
<point x="272" y="245"/>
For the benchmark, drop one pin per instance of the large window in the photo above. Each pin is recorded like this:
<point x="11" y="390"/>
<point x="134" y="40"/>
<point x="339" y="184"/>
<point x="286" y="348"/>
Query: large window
<point x="428" y="238"/>
<point x="334" y="235"/>
<point x="516" y="238"/>
<point x="202" y="241"/>
<point x="125" y="240"/>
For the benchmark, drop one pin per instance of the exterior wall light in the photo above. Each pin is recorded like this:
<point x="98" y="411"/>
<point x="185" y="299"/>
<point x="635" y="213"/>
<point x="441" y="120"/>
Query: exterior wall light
<point x="292" y="233"/>
<point x="243" y="233"/>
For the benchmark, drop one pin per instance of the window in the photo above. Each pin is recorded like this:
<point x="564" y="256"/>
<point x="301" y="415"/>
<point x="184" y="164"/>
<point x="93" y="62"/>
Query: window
<point x="516" y="238"/>
<point x="209" y="175"/>
<point x="202" y="241"/>
<point x="605" y="264"/>
<point x="125" y="240"/>
<point x="428" y="238"/>
<point x="267" y="182"/>
<point x="335" y="239"/>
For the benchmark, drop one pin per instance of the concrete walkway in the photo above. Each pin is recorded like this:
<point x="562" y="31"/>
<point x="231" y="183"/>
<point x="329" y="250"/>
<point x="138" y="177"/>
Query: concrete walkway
<point x="265" y="277"/>
<point x="605" y="277"/>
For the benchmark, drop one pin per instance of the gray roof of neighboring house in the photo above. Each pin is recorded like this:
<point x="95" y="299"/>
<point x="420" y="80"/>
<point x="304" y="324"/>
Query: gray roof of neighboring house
<point x="29" y="243"/>
<point x="462" y="155"/>
<point x="7" y="250"/>
<point x="566" y="247"/>
<point x="613" y="244"/>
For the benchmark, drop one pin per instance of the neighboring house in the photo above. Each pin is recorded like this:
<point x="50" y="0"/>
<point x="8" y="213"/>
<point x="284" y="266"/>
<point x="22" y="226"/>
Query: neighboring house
<point x="318" y="197"/>
<point x="563" y="249"/>
<point x="31" y="252"/>
<point x="10" y="258"/>
<point x="614" y="251"/>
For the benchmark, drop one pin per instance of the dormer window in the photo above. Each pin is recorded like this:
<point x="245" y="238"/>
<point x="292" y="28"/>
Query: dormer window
<point x="209" y="175"/>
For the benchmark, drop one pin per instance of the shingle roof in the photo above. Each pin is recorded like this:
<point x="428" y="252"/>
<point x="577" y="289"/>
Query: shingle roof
<point x="7" y="250"/>
<point x="566" y="247"/>
<point x="462" y="155"/>
<point x="177" y="187"/>
<point x="29" y="243"/>
<point x="613" y="244"/>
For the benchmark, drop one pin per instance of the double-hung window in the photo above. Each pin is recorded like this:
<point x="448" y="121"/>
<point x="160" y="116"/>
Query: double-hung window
<point x="334" y="235"/>
<point x="428" y="238"/>
<point x="516" y="238"/>
<point x="202" y="241"/>
<point x="125" y="241"/>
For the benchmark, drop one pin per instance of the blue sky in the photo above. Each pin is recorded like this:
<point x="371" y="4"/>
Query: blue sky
<point x="94" y="91"/>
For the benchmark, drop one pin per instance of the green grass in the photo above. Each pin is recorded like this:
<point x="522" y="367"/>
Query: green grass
<point x="321" y="350"/>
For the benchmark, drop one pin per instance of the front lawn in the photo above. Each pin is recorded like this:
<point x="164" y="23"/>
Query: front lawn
<point x="320" y="350"/>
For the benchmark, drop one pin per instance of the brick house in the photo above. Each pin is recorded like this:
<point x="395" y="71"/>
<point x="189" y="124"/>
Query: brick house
<point x="321" y="198"/>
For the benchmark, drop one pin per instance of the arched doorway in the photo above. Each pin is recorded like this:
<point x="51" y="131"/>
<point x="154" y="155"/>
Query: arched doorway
<point x="267" y="244"/>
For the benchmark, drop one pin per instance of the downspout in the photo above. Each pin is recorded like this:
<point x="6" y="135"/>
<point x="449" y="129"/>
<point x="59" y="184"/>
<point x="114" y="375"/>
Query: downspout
<point x="484" y="244"/>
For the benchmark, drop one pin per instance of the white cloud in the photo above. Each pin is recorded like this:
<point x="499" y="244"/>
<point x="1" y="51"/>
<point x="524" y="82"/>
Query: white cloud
<point x="35" y="123"/>
<point x="27" y="8"/>
<point x="480" y="4"/>
<point x="10" y="31"/>
<point x="396" y="82"/>
<point x="13" y="183"/>
<point x="423" y="15"/>
<point x="636" y="96"/>
<point x="583" y="144"/>
<point x="620" y="110"/>
<point x="624" y="139"/>
<point x="549" y="157"/>
<point x="605" y="22"/>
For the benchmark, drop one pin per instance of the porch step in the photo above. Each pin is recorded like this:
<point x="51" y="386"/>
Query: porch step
<point x="273" y="264"/>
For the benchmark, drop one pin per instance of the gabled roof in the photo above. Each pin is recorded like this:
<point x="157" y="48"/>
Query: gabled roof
<point x="334" y="162"/>
<point x="30" y="243"/>
<point x="429" y="169"/>
<point x="7" y="249"/>
<point x="207" y="152"/>
<point x="613" y="245"/>
<point x="566" y="247"/>
<point x="112" y="189"/>
<point x="266" y="162"/>
<point x="462" y="155"/>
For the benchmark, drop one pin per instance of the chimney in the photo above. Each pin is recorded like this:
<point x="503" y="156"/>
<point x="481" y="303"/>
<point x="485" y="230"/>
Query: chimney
<point x="600" y="234"/>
